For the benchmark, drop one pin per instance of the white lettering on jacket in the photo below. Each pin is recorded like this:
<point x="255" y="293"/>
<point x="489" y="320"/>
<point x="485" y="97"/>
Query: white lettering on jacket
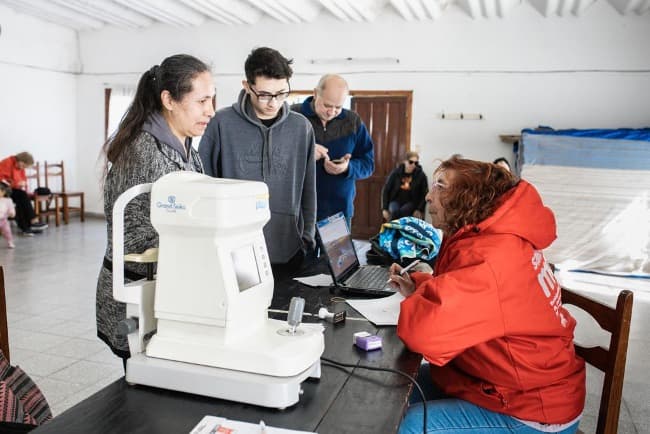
<point x="549" y="284"/>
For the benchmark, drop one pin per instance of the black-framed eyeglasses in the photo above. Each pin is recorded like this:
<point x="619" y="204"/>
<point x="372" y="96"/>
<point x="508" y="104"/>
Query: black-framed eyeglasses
<point x="412" y="161"/>
<point x="268" y="97"/>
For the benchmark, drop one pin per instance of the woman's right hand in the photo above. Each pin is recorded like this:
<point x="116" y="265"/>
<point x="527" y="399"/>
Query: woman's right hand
<point x="401" y="282"/>
<point x="386" y="215"/>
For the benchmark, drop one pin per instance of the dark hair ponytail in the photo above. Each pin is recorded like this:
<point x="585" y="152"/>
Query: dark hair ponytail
<point x="175" y="75"/>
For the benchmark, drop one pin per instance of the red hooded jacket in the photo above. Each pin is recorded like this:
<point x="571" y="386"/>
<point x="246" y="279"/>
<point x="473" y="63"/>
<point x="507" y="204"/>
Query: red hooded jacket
<point x="490" y="320"/>
<point x="11" y="175"/>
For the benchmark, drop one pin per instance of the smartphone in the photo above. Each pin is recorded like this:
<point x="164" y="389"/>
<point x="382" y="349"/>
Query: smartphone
<point x="338" y="160"/>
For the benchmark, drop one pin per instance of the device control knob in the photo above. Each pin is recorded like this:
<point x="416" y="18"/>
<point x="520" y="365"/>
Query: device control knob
<point x="127" y="326"/>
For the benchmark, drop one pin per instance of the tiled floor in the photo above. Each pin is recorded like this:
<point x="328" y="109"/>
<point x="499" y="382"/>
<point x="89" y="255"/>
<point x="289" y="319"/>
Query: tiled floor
<point x="50" y="281"/>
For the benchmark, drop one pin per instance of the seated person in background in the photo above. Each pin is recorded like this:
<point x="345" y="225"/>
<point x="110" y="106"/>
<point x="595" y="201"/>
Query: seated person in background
<point x="12" y="173"/>
<point x="490" y="319"/>
<point x="405" y="190"/>
<point x="502" y="162"/>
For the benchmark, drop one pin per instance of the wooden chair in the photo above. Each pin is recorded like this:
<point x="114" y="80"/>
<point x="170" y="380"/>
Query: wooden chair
<point x="56" y="170"/>
<point x="611" y="361"/>
<point x="45" y="205"/>
<point x="4" y="330"/>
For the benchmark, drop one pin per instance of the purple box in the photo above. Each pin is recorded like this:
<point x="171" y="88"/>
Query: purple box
<point x="366" y="341"/>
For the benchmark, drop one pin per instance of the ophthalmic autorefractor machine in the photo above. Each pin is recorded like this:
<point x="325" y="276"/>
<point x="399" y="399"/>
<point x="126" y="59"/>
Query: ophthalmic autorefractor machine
<point x="201" y="326"/>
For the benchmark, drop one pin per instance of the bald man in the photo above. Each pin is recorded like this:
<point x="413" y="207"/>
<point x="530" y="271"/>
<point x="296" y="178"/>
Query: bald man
<point x="344" y="149"/>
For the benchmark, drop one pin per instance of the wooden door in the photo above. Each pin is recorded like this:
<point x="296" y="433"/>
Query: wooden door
<point x="387" y="116"/>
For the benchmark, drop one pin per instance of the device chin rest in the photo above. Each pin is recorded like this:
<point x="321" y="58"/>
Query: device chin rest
<point x="149" y="257"/>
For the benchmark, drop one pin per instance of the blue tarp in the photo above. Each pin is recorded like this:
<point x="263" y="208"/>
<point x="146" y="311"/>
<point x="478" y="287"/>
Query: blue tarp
<point x="624" y="148"/>
<point x="642" y="134"/>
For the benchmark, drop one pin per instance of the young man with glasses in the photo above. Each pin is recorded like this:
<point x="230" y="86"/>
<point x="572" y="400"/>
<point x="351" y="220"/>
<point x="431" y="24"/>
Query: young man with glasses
<point x="259" y="138"/>
<point x="344" y="149"/>
<point x="405" y="191"/>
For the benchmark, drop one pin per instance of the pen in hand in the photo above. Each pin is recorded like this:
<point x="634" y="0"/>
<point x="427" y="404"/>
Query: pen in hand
<point x="407" y="268"/>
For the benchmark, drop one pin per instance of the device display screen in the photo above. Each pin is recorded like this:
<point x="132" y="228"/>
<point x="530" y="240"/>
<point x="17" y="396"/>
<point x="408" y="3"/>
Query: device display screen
<point x="245" y="266"/>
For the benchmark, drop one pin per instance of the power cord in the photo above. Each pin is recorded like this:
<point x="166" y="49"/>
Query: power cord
<point x="394" y="371"/>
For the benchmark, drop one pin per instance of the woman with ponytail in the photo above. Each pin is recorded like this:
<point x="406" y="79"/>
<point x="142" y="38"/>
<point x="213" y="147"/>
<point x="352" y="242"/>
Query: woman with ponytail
<point x="173" y="103"/>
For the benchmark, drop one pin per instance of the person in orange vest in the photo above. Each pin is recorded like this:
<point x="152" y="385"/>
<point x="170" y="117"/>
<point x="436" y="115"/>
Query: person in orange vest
<point x="12" y="174"/>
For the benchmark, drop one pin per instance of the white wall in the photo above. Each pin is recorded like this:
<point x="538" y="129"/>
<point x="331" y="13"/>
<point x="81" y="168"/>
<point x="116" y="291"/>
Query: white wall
<point x="38" y="91"/>
<point x="519" y="71"/>
<point x="452" y="65"/>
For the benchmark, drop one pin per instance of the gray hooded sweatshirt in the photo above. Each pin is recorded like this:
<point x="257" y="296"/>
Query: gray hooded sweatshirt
<point x="237" y="145"/>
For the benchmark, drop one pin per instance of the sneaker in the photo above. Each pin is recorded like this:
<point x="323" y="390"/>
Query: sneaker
<point x="27" y="233"/>
<point x="11" y="245"/>
<point x="38" y="227"/>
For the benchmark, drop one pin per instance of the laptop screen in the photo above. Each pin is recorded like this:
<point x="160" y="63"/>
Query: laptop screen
<point x="337" y="244"/>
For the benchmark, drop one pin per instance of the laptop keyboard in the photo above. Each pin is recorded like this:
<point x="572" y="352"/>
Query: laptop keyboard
<point x="369" y="277"/>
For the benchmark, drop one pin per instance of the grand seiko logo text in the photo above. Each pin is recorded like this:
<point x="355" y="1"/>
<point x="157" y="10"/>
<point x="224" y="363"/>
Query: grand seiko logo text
<point x="171" y="205"/>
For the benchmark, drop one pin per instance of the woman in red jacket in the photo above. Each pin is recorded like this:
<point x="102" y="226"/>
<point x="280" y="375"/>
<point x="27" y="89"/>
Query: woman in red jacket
<point x="490" y="319"/>
<point x="12" y="173"/>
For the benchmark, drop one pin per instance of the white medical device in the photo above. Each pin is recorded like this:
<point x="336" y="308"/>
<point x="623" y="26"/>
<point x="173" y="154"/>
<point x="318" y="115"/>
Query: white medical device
<point x="206" y="311"/>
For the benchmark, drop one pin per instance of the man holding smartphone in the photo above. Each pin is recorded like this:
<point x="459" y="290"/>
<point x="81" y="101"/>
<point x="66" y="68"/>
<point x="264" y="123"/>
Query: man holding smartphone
<point x="344" y="149"/>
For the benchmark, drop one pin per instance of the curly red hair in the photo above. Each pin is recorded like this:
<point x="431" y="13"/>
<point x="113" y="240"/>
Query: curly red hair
<point x="475" y="191"/>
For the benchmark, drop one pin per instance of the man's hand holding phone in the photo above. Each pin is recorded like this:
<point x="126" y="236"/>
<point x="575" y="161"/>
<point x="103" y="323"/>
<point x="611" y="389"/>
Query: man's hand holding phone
<point x="337" y="166"/>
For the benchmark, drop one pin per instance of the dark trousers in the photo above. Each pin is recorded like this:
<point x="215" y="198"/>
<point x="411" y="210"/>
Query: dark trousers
<point x="398" y="210"/>
<point x="24" y="209"/>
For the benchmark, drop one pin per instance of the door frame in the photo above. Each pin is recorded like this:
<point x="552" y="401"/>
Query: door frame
<point x="409" y="106"/>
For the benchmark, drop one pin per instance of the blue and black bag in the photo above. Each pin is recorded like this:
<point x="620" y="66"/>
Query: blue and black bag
<point x="404" y="240"/>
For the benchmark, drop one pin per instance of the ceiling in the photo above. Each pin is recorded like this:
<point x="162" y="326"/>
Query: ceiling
<point x="96" y="14"/>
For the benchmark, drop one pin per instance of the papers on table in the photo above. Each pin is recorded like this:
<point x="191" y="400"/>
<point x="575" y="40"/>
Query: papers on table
<point x="379" y="311"/>
<point x="316" y="280"/>
<point x="221" y="425"/>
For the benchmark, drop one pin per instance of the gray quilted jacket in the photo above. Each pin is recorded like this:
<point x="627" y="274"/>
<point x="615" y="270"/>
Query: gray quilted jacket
<point x="148" y="159"/>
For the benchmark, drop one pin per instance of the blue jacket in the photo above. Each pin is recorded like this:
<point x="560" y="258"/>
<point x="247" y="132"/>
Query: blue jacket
<point x="345" y="134"/>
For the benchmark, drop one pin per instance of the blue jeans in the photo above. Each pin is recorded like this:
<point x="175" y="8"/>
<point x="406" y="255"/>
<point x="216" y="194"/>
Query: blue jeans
<point x="456" y="416"/>
<point x="452" y="415"/>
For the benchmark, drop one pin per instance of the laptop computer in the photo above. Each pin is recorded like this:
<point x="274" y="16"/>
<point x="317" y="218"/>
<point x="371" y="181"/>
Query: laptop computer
<point x="347" y="273"/>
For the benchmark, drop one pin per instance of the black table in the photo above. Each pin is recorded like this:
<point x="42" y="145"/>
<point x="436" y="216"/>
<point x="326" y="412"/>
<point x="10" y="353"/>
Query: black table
<point x="344" y="400"/>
